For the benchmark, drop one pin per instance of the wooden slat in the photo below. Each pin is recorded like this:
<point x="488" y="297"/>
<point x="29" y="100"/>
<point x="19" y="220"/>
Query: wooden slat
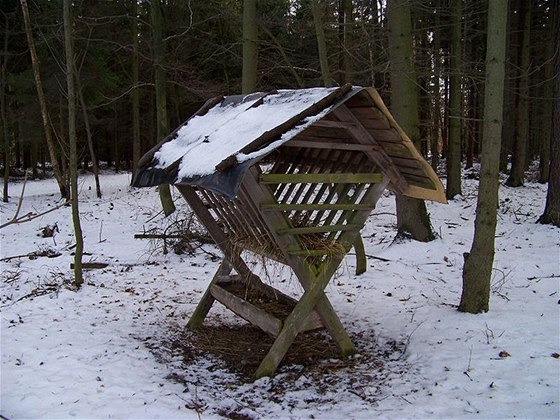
<point x="247" y="311"/>
<point x="333" y="124"/>
<point x="332" y="178"/>
<point x="321" y="143"/>
<point x="324" y="132"/>
<point x="315" y="207"/>
<point x="387" y="136"/>
<point x="380" y="158"/>
<point x="318" y="229"/>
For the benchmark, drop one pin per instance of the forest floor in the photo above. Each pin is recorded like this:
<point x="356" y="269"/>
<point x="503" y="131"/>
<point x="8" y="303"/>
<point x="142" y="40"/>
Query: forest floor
<point x="117" y="348"/>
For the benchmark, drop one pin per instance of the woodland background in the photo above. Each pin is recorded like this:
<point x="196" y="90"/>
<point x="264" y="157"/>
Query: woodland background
<point x="117" y="58"/>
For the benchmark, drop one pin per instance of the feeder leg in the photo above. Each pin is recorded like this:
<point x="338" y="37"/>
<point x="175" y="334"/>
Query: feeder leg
<point x="334" y="326"/>
<point x="197" y="318"/>
<point x="291" y="327"/>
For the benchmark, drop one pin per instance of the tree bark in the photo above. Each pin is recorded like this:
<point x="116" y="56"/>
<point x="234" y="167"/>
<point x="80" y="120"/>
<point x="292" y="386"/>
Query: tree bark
<point x="455" y="97"/>
<point x="517" y="173"/>
<point x="551" y="213"/>
<point x="71" y="93"/>
<point x="250" y="47"/>
<point x="346" y="41"/>
<point x="58" y="173"/>
<point x="161" y="97"/>
<point x="5" y="134"/>
<point x="89" y="136"/>
<point x="413" y="220"/>
<point x="436" y="114"/>
<point x="477" y="270"/>
<point x="136" y="143"/>
<point x="321" y="43"/>
<point x="548" y="102"/>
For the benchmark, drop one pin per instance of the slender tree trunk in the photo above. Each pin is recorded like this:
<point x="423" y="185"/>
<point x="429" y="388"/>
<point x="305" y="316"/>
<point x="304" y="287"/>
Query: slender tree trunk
<point x="455" y="96"/>
<point x="412" y="216"/>
<point x="136" y="143"/>
<point x="548" y="102"/>
<point x="250" y="47"/>
<point x="517" y="174"/>
<point x="551" y="213"/>
<point x="321" y="43"/>
<point x="3" y="111"/>
<point x="161" y="97"/>
<point x="89" y="136"/>
<point x="71" y="92"/>
<point x="436" y="114"/>
<point x="347" y="40"/>
<point x="477" y="271"/>
<point x="58" y="173"/>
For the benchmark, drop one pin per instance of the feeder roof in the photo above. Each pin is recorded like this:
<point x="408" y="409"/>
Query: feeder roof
<point x="216" y="146"/>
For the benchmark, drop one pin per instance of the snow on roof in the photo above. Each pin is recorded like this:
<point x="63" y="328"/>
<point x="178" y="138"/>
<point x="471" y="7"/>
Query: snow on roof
<point x="227" y="128"/>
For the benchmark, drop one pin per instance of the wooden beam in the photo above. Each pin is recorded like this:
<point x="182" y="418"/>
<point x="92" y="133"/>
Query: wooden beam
<point x="333" y="124"/>
<point x="207" y="300"/>
<point x="363" y="136"/>
<point x="318" y="229"/>
<point x="322" y="143"/>
<point x="266" y="322"/>
<point x="316" y="207"/>
<point x="321" y="178"/>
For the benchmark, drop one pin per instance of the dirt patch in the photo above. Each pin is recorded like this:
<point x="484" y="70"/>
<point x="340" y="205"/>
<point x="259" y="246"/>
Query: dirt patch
<point x="242" y="348"/>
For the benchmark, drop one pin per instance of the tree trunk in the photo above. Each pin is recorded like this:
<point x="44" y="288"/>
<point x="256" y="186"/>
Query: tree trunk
<point x="412" y="216"/>
<point x="161" y="97"/>
<point x="436" y="114"/>
<point x="5" y="134"/>
<point x="517" y="173"/>
<point x="250" y="47"/>
<point x="321" y="43"/>
<point x="58" y="173"/>
<point x="477" y="271"/>
<point x="548" y="102"/>
<point x="551" y="213"/>
<point x="455" y="98"/>
<point x="347" y="31"/>
<point x="136" y="143"/>
<point x="89" y="136"/>
<point x="71" y="93"/>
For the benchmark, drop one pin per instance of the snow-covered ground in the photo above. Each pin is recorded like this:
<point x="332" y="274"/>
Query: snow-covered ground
<point x="105" y="352"/>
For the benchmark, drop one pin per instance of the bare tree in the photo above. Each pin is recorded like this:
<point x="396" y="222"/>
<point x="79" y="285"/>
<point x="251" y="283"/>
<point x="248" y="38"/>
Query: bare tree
<point x="413" y="219"/>
<point x="73" y="161"/>
<point x="477" y="271"/>
<point x="58" y="174"/>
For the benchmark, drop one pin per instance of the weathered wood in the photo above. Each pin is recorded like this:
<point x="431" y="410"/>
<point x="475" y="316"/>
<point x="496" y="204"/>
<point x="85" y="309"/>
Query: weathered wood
<point x="333" y="124"/>
<point x="332" y="178"/>
<point x="274" y="220"/>
<point x="320" y="143"/>
<point x="207" y="300"/>
<point x="266" y="322"/>
<point x="317" y="229"/>
<point x="317" y="207"/>
<point x="91" y="265"/>
<point x="269" y="136"/>
<point x="361" y="260"/>
<point x="386" y="136"/>
<point x="380" y="158"/>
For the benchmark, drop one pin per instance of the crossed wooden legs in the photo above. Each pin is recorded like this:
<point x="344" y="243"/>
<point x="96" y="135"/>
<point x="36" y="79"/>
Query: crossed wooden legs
<point x="298" y="320"/>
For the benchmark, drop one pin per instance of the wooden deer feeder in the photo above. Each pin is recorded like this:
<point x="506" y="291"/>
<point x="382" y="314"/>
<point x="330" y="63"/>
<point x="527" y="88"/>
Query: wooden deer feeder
<point x="290" y="175"/>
